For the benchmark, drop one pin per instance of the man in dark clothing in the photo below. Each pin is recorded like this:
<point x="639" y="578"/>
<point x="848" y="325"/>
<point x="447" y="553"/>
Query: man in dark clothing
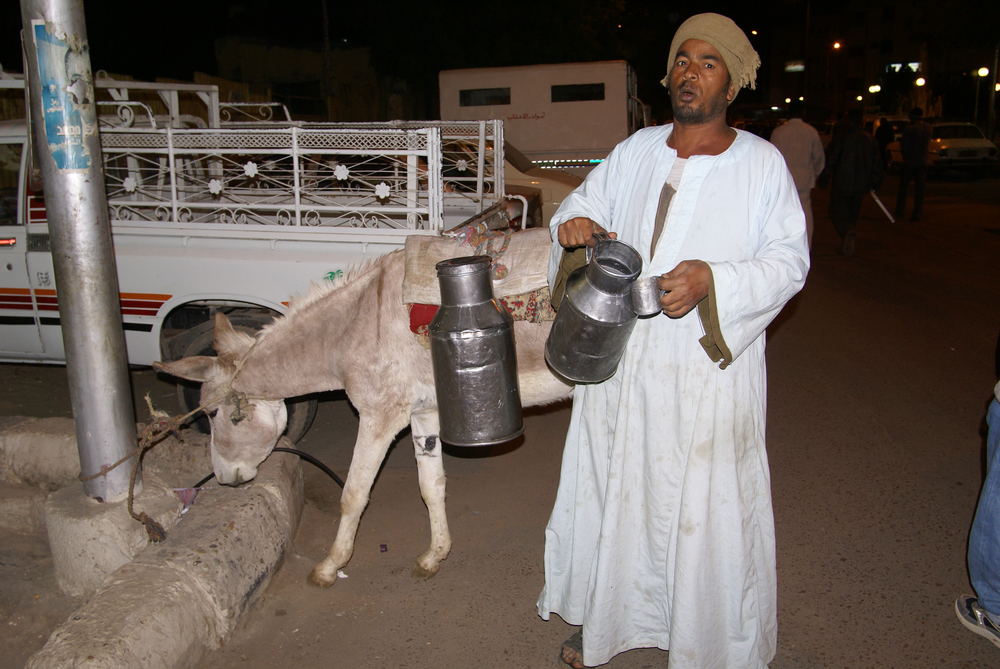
<point x="884" y="136"/>
<point x="854" y="167"/>
<point x="913" y="145"/>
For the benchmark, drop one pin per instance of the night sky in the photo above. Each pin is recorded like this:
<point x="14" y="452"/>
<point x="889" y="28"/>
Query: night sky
<point x="410" y="40"/>
<point x="416" y="40"/>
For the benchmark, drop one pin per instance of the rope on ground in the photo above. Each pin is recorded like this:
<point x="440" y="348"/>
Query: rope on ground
<point x="152" y="434"/>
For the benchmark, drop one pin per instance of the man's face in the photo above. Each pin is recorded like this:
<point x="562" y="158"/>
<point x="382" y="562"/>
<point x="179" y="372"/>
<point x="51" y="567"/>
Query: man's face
<point x="700" y="85"/>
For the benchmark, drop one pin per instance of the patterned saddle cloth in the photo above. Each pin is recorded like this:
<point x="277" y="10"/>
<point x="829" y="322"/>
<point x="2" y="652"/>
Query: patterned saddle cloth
<point x="519" y="270"/>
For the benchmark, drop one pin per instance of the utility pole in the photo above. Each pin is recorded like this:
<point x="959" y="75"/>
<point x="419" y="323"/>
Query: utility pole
<point x="68" y="150"/>
<point x="991" y="95"/>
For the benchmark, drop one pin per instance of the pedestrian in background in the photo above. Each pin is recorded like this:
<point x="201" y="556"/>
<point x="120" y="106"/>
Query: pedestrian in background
<point x="913" y="144"/>
<point x="854" y="169"/>
<point x="884" y="136"/>
<point x="800" y="144"/>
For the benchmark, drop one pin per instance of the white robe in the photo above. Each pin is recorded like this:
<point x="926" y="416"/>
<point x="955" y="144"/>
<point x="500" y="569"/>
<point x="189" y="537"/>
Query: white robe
<point x="662" y="532"/>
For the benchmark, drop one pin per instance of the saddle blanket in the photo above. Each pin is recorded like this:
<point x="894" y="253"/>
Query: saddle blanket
<point x="533" y="307"/>
<point x="519" y="267"/>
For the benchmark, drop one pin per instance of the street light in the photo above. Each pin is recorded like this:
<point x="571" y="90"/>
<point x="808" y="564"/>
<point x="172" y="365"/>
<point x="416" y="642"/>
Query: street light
<point x="920" y="81"/>
<point x="874" y="88"/>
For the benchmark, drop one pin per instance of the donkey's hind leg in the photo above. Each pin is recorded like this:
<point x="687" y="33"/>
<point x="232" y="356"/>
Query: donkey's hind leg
<point x="430" y="469"/>
<point x="375" y="433"/>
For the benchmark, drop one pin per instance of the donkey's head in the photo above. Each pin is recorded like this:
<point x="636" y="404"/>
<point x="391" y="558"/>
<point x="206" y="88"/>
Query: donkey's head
<point x="245" y="427"/>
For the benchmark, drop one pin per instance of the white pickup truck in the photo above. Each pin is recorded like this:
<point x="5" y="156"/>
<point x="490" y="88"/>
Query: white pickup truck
<point x="237" y="216"/>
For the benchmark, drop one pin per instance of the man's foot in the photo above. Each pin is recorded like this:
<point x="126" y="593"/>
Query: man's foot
<point x="572" y="651"/>
<point x="975" y="618"/>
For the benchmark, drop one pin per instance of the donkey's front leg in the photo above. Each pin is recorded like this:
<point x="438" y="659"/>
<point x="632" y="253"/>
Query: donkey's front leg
<point x="375" y="433"/>
<point x="430" y="470"/>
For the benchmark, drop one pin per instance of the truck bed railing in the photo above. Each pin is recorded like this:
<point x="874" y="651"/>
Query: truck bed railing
<point x="173" y="153"/>
<point x="278" y="176"/>
<point x="249" y="114"/>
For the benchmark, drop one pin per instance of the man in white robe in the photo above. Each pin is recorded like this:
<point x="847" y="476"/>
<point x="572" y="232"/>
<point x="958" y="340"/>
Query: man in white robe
<point x="662" y="533"/>
<point x="803" y="150"/>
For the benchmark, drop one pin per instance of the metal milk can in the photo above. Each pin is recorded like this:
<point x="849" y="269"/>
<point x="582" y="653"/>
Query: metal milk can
<point x="598" y="313"/>
<point x="472" y="350"/>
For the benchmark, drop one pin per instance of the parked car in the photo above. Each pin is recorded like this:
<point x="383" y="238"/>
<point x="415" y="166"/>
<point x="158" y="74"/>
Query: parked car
<point x="956" y="145"/>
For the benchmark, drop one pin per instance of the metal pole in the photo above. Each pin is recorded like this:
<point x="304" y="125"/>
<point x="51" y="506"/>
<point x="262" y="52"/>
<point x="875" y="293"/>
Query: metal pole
<point x="64" y="122"/>
<point x="991" y="122"/>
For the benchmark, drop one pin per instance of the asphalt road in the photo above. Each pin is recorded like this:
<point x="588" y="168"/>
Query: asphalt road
<point x="879" y="375"/>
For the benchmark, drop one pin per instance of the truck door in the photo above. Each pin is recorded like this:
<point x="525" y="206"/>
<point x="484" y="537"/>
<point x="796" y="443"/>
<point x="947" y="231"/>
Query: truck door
<point x="19" y="335"/>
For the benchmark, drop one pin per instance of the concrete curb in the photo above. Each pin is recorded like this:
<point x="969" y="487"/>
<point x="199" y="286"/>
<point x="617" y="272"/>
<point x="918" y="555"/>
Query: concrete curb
<point x="177" y="599"/>
<point x="40" y="452"/>
<point x="22" y="509"/>
<point x="89" y="540"/>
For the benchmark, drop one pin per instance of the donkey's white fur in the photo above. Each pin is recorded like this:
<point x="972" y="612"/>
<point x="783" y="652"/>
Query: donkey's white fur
<point x="353" y="335"/>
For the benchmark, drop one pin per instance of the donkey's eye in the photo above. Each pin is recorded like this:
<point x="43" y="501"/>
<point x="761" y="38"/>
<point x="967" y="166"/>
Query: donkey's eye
<point x="211" y="414"/>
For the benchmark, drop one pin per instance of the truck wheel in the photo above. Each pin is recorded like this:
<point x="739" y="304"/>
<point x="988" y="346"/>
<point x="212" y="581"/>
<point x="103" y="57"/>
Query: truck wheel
<point x="301" y="410"/>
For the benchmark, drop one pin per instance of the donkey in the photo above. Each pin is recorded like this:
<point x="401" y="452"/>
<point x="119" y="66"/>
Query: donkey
<point x="353" y="335"/>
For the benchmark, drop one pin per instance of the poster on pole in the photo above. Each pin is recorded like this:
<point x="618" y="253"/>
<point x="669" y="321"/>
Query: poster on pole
<point x="64" y="90"/>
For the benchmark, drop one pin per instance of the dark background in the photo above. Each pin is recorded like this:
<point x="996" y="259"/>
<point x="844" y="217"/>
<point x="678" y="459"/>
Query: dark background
<point x="413" y="41"/>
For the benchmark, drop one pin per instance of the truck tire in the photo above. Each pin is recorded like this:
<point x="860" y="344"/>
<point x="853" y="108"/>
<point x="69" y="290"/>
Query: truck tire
<point x="198" y="341"/>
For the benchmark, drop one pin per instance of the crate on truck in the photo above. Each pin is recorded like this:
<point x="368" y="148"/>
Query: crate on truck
<point x="237" y="218"/>
<point x="561" y="115"/>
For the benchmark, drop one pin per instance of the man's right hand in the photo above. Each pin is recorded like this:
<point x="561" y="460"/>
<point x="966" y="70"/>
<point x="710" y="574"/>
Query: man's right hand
<point x="580" y="232"/>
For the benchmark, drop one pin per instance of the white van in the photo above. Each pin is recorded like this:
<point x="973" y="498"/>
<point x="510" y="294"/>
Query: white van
<point x="562" y="115"/>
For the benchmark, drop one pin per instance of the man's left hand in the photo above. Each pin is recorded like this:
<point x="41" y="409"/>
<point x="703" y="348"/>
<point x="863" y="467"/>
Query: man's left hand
<point x="686" y="285"/>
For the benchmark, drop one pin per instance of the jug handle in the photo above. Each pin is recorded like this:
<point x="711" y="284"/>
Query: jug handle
<point x="599" y="236"/>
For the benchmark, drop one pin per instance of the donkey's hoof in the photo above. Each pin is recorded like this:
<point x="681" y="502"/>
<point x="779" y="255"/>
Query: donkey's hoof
<point x="322" y="577"/>
<point x="425" y="572"/>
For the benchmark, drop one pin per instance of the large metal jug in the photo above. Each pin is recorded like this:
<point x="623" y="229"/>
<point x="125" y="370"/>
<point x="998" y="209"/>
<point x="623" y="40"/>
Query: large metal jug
<point x="472" y="350"/>
<point x="596" y="316"/>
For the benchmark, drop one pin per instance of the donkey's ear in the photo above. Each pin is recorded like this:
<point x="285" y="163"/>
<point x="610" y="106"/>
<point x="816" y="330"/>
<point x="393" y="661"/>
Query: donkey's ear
<point x="227" y="340"/>
<point x="195" y="368"/>
<point x="222" y="327"/>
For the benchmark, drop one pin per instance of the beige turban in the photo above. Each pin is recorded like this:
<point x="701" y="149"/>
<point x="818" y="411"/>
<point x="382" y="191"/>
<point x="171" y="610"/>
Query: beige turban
<point x="722" y="33"/>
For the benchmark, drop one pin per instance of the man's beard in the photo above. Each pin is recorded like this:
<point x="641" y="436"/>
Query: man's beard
<point x="701" y="114"/>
